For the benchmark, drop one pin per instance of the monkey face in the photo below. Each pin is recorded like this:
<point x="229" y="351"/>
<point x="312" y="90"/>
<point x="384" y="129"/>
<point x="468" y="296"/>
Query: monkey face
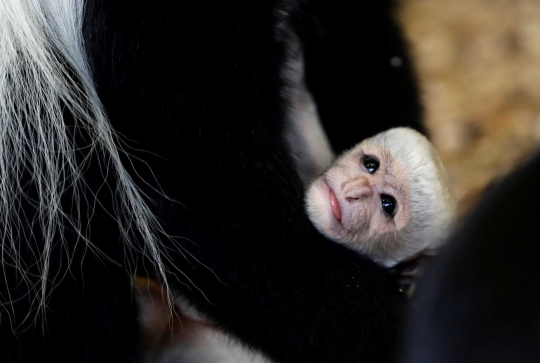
<point x="362" y="200"/>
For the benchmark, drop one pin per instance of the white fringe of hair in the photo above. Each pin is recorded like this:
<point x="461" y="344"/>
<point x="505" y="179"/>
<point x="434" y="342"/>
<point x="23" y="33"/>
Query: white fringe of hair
<point x="432" y="203"/>
<point x="41" y="47"/>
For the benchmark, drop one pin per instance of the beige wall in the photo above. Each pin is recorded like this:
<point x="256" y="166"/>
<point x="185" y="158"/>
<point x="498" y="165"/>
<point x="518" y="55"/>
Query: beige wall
<point x="478" y="62"/>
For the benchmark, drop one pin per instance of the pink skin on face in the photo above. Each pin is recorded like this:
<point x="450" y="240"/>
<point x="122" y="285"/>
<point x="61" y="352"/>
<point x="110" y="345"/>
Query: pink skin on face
<point x="345" y="203"/>
<point x="364" y="199"/>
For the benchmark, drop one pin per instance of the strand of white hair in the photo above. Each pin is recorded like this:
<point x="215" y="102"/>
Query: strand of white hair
<point x="43" y="71"/>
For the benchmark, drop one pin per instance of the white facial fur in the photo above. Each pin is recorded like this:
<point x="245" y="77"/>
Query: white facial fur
<point x="409" y="171"/>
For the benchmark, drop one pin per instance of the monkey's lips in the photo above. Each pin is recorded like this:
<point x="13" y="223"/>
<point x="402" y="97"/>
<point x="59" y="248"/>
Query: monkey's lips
<point x="334" y="204"/>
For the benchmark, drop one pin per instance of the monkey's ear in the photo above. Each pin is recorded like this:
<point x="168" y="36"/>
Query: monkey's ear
<point x="154" y="311"/>
<point x="408" y="271"/>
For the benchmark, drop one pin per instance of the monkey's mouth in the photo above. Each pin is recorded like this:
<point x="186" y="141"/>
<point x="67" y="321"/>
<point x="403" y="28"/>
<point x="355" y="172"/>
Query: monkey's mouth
<point x="334" y="204"/>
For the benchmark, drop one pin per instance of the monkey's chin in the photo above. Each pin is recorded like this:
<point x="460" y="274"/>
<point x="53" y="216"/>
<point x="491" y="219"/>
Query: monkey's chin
<point x="324" y="210"/>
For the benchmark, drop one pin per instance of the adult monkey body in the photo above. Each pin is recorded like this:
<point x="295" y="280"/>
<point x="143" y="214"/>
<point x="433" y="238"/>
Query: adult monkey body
<point x="477" y="302"/>
<point x="196" y="93"/>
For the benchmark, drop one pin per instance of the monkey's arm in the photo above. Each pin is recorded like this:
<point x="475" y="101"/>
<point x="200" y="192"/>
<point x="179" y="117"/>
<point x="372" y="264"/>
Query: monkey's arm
<point x="358" y="70"/>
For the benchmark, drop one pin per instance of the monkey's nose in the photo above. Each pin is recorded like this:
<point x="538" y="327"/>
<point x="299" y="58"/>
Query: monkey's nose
<point x="358" y="189"/>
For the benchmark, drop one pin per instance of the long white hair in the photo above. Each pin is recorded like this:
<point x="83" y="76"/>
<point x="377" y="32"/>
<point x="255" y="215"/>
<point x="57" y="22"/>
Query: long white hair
<point x="43" y="72"/>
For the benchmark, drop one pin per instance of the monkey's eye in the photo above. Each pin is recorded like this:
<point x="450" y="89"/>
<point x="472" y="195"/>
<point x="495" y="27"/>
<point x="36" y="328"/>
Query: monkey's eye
<point x="388" y="204"/>
<point x="371" y="164"/>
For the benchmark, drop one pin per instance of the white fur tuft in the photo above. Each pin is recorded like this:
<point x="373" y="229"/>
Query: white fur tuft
<point x="41" y="52"/>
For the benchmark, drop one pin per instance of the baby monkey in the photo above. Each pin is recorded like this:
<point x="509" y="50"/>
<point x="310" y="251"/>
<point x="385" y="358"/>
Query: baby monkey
<point x="388" y="198"/>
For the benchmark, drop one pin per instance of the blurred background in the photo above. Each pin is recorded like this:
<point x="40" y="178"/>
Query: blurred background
<point x="478" y="65"/>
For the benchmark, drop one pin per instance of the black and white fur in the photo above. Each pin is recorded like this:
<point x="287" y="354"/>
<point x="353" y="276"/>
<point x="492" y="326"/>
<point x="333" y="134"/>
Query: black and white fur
<point x="428" y="210"/>
<point x="117" y="120"/>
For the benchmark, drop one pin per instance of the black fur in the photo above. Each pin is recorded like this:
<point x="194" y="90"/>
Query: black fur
<point x="478" y="303"/>
<point x="194" y="88"/>
<point x="348" y="62"/>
